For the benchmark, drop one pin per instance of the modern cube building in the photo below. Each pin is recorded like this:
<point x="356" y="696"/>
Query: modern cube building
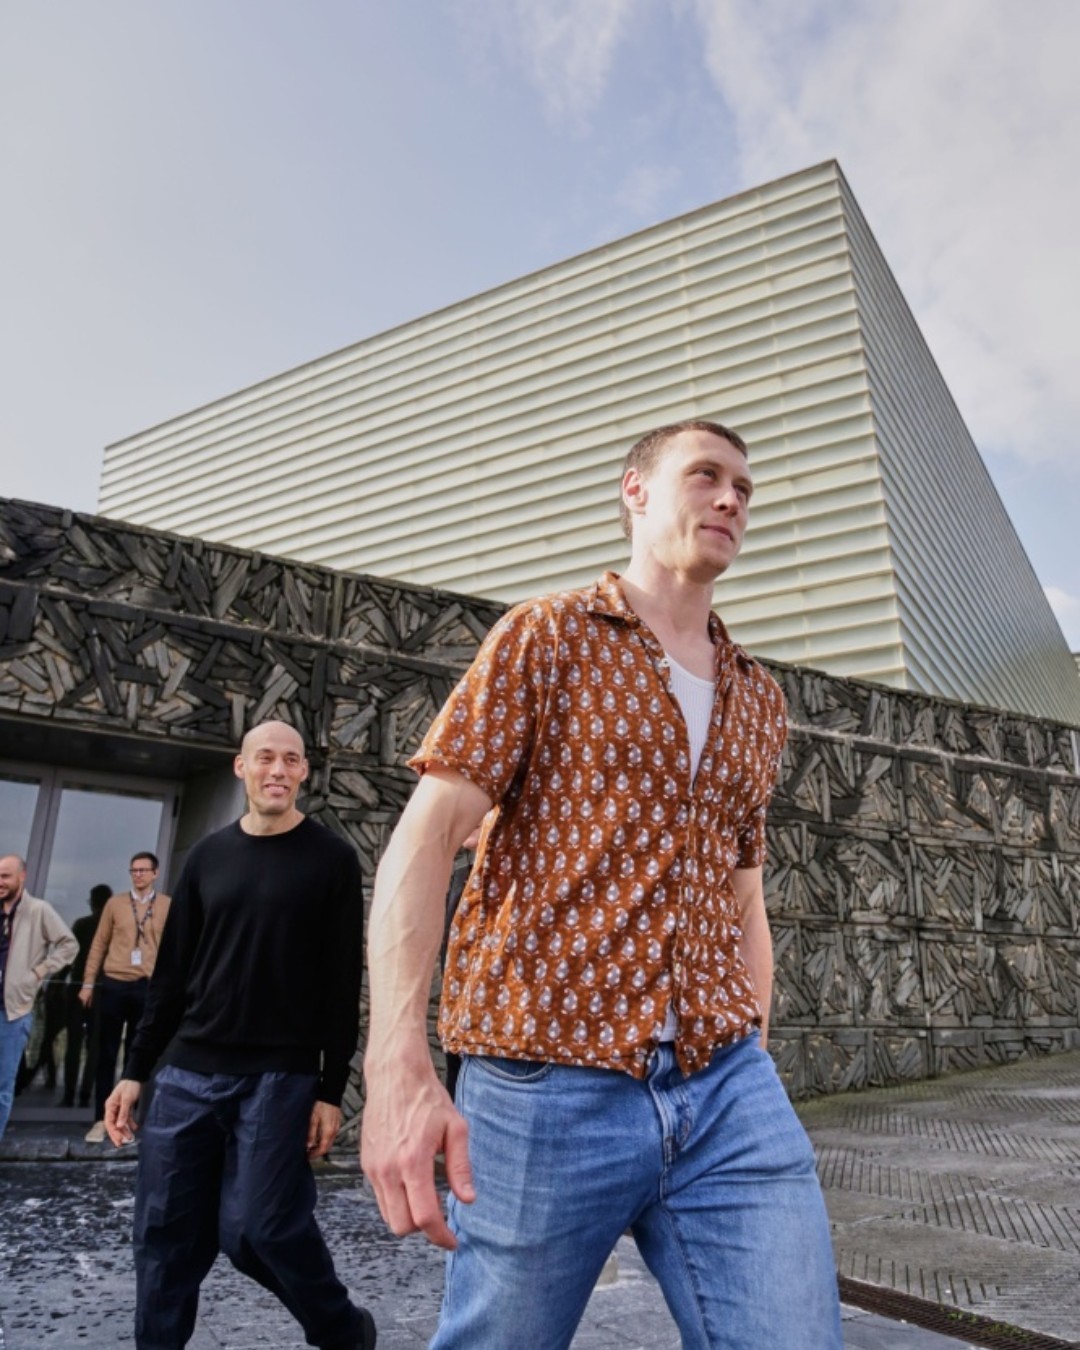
<point x="478" y="448"/>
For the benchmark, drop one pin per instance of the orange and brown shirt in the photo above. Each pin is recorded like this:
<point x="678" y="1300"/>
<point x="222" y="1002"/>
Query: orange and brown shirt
<point x="602" y="891"/>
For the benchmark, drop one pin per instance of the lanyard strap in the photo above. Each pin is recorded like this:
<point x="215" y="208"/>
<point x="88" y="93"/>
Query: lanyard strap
<point x="9" y="919"/>
<point x="140" y="924"/>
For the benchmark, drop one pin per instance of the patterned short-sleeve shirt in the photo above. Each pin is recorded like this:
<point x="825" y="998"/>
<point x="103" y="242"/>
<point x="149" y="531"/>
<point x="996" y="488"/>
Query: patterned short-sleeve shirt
<point x="602" y="889"/>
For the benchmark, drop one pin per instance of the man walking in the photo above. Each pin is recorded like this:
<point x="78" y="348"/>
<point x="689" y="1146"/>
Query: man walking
<point x="35" y="943"/>
<point x="610" y="966"/>
<point x="257" y="988"/>
<point x="118" y="969"/>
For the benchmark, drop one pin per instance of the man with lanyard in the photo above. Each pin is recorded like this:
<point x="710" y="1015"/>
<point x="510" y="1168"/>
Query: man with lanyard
<point x="35" y="943"/>
<point x="118" y="970"/>
<point x="610" y="965"/>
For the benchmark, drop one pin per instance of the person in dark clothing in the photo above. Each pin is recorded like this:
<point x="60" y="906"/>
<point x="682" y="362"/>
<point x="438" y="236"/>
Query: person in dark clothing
<point x="253" y="1009"/>
<point x="80" y="1022"/>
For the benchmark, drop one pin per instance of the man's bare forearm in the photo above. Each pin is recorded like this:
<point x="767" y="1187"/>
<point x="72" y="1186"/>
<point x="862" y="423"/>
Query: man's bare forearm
<point x="408" y="1117"/>
<point x="408" y="912"/>
<point x="404" y="932"/>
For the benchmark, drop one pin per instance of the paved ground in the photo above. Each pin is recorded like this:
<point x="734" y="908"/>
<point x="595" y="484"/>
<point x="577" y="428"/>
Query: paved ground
<point x="965" y="1191"/>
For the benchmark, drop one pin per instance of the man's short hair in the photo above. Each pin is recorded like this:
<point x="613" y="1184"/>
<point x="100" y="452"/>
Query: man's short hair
<point x="151" y="858"/>
<point x="99" y="896"/>
<point x="644" y="454"/>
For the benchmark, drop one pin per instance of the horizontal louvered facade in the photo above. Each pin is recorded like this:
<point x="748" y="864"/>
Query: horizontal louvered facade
<point x="478" y="448"/>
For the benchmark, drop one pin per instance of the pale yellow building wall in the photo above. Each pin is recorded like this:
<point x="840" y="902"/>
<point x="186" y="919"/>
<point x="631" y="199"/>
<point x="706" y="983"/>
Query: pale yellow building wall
<point x="478" y="448"/>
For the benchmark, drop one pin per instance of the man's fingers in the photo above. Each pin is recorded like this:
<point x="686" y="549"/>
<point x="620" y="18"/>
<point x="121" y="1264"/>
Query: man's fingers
<point x="458" y="1168"/>
<point x="423" y="1206"/>
<point x="319" y="1139"/>
<point x="119" y="1107"/>
<point x="405" y="1186"/>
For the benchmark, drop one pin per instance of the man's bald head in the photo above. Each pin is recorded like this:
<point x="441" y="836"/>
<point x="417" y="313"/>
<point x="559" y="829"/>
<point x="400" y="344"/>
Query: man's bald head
<point x="12" y="879"/>
<point x="268" y="733"/>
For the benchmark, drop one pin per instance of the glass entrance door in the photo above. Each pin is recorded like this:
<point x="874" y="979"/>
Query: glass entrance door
<point x="18" y="803"/>
<point x="97" y="831"/>
<point x="79" y="829"/>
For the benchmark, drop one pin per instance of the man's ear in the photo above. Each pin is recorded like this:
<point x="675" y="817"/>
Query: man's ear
<point x="635" y="491"/>
<point x="238" y="766"/>
<point x="307" y="772"/>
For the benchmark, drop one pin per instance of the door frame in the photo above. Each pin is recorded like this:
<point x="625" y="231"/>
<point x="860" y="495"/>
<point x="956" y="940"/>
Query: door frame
<point x="52" y="779"/>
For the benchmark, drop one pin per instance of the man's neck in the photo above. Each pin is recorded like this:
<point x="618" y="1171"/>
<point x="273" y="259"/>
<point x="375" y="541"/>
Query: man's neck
<point x="256" y="823"/>
<point x="11" y="902"/>
<point x="142" y="892"/>
<point x="673" y="606"/>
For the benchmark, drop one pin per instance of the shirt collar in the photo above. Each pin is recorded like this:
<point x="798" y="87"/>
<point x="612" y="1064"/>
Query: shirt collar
<point x="605" y="597"/>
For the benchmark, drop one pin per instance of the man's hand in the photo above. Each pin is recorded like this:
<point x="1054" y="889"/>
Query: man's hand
<point x="322" y="1129"/>
<point x="408" y="1119"/>
<point x="86" y="995"/>
<point x="120" y="1111"/>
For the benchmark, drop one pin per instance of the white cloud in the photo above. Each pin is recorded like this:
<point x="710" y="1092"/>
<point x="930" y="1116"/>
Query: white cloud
<point x="957" y="126"/>
<point x="1067" y="609"/>
<point x="565" y="47"/>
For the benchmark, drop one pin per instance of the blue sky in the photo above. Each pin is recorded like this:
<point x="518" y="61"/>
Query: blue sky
<point x="200" y="193"/>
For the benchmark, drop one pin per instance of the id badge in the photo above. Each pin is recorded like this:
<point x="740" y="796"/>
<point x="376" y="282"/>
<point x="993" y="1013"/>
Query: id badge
<point x="136" y="957"/>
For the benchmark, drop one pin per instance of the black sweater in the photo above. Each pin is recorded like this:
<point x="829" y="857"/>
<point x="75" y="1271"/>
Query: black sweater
<point x="259" y="965"/>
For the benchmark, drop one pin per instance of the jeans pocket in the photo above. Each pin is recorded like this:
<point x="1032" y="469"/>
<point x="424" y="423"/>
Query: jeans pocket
<point x="514" y="1070"/>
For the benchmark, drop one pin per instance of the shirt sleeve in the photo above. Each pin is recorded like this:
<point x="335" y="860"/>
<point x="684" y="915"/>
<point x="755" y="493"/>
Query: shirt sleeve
<point x="166" y="997"/>
<point x="486" y="729"/>
<point x="343" y="982"/>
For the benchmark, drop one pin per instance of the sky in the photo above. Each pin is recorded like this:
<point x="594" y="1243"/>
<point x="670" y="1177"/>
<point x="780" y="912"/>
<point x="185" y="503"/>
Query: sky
<point x="201" y="193"/>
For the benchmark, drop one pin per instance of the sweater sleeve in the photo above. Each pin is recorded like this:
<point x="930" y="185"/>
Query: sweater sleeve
<point x="344" y="966"/>
<point x="166" y="997"/>
<point x="100" y="944"/>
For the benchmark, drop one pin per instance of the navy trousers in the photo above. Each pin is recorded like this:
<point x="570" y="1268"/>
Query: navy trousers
<point x="223" y="1166"/>
<point x="120" y="1006"/>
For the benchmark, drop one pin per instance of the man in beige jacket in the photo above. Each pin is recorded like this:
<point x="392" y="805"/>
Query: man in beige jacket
<point x="122" y="959"/>
<point x="35" y="942"/>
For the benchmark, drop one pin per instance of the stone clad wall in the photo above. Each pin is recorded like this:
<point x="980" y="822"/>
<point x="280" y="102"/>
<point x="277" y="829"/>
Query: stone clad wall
<point x="924" y="878"/>
<point x="114" y="628"/>
<point x="923" y="886"/>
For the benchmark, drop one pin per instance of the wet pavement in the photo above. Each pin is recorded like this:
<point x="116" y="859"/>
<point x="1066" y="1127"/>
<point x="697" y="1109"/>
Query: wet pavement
<point x="964" y="1191"/>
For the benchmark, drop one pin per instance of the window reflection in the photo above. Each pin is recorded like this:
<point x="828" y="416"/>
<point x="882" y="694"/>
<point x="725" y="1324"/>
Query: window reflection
<point x="18" y="798"/>
<point x="97" y="831"/>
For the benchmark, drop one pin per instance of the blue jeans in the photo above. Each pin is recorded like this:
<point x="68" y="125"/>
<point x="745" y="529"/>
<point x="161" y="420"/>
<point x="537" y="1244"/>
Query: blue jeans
<point x="223" y="1162"/>
<point x="13" y="1037"/>
<point x="713" y="1174"/>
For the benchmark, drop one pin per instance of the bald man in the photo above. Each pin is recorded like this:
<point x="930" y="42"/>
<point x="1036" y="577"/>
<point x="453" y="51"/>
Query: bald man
<point x="35" y="943"/>
<point x="254" y="1004"/>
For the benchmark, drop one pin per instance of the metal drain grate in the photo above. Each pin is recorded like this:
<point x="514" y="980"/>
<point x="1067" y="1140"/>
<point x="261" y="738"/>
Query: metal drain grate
<point x="965" y="1326"/>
